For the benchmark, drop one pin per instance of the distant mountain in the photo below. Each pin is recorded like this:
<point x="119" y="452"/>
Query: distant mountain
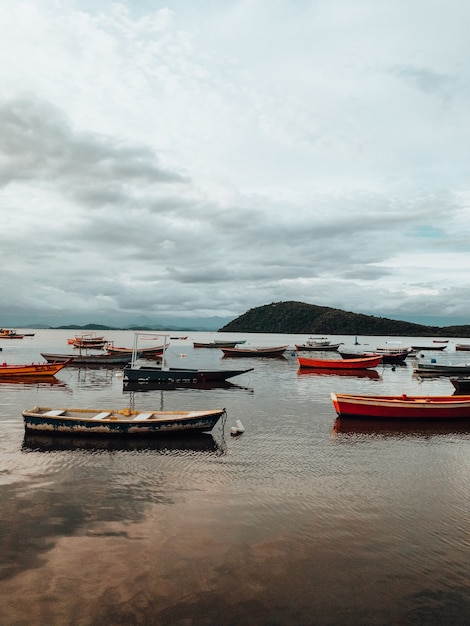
<point x="301" y="318"/>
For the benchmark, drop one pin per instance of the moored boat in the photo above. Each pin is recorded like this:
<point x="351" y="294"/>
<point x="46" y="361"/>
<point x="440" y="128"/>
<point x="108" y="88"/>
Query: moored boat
<point x="88" y="340"/>
<point x="175" y="376"/>
<point x="387" y="357"/>
<point x="402" y="407"/>
<point x="461" y="385"/>
<point x="87" y="359"/>
<point x="35" y="370"/>
<point x="118" y="422"/>
<point x="320" y="347"/>
<point x="217" y="343"/>
<point x="340" y="364"/>
<point x="277" y="351"/>
<point x="462" y="347"/>
<point x="6" y="333"/>
<point x="440" y="369"/>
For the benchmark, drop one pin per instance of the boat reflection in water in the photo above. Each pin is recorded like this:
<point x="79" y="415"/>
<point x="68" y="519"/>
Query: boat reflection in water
<point x="134" y="385"/>
<point x="365" y="373"/>
<point x="30" y="381"/>
<point x="399" y="429"/>
<point x="195" y="442"/>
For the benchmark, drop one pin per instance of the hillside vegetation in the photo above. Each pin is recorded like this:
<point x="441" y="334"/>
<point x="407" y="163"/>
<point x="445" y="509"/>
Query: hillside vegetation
<point x="301" y="318"/>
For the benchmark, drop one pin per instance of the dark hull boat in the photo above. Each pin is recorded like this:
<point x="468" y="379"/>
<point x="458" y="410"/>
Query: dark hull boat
<point x="87" y="359"/>
<point x="175" y="376"/>
<point x="461" y="385"/>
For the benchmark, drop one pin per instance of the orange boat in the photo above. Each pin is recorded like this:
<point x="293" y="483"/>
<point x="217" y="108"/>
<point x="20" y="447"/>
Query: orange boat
<point x="33" y="369"/>
<point x="341" y="364"/>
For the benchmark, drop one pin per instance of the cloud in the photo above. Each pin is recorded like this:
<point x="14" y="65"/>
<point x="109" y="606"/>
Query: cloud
<point x="207" y="160"/>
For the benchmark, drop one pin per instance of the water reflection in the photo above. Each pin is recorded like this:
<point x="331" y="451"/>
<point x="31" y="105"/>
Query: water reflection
<point x="31" y="381"/>
<point x="134" y="385"/>
<point x="398" y="428"/>
<point x="196" y="442"/>
<point x="371" y="374"/>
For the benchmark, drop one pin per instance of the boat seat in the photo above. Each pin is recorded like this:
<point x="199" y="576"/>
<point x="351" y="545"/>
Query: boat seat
<point x="142" y="416"/>
<point x="101" y="416"/>
<point x="55" y="413"/>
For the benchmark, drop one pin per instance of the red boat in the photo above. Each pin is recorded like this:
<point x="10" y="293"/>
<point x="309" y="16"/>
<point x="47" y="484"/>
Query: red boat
<point x="341" y="364"/>
<point x="402" y="407"/>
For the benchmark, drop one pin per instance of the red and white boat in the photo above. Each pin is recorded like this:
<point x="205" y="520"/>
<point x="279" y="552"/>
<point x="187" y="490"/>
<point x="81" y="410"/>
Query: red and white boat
<point x="402" y="407"/>
<point x="341" y="364"/>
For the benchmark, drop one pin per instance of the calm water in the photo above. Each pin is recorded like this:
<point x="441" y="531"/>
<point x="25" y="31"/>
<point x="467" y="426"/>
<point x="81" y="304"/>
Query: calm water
<point x="301" y="520"/>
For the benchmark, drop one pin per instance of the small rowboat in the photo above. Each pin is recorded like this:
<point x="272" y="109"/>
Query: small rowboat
<point x="122" y="422"/>
<point x="319" y="347"/>
<point x="247" y="352"/>
<point x="340" y="364"/>
<point x="402" y="407"/>
<point x="32" y="369"/>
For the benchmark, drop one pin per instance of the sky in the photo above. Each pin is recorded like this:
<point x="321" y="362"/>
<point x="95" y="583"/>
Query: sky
<point x="202" y="158"/>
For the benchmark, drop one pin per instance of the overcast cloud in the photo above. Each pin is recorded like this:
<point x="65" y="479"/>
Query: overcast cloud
<point x="172" y="158"/>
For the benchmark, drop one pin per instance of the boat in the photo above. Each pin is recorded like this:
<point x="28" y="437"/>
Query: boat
<point x="32" y="369"/>
<point x="387" y="357"/>
<point x="88" y="340"/>
<point x="249" y="352"/>
<point x="340" y="364"/>
<point x="440" y="369"/>
<point x="432" y="346"/>
<point x="461" y="385"/>
<point x="172" y="377"/>
<point x="6" y="333"/>
<point x="394" y="351"/>
<point x="218" y="343"/>
<point x="88" y="359"/>
<point x="118" y="422"/>
<point x="320" y="347"/>
<point x="402" y="407"/>
<point x="155" y="352"/>
<point x="462" y="347"/>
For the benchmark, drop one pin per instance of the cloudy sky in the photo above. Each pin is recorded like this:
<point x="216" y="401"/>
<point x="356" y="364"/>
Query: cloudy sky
<point x="202" y="158"/>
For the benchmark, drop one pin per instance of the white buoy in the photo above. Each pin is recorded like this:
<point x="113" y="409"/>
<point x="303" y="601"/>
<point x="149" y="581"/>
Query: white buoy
<point x="118" y="374"/>
<point x="238" y="429"/>
<point x="182" y="355"/>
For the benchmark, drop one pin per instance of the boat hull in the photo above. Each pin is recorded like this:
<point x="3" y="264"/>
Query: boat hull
<point x="390" y="357"/>
<point x="402" y="407"/>
<point x="332" y="347"/>
<point x="461" y="385"/>
<point x="35" y="370"/>
<point x="88" y="359"/>
<point x="256" y="352"/>
<point x="126" y="422"/>
<point x="436" y="369"/>
<point x="340" y="364"/>
<point x="177" y="376"/>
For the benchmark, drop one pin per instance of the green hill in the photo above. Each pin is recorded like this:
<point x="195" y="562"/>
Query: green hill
<point x="301" y="318"/>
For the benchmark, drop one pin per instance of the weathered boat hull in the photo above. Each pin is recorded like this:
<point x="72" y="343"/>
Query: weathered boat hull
<point x="88" y="359"/>
<point x="461" y="385"/>
<point x="217" y="344"/>
<point x="390" y="357"/>
<point x="436" y="369"/>
<point x="176" y="376"/>
<point x="402" y="407"/>
<point x="332" y="347"/>
<point x="35" y="370"/>
<point x="255" y="352"/>
<point x="125" y="422"/>
<point x="340" y="364"/>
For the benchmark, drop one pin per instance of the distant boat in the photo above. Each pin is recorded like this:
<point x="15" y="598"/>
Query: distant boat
<point x="387" y="357"/>
<point x="340" y="364"/>
<point x="87" y="340"/>
<point x="32" y="369"/>
<point x="122" y="422"/>
<point x="463" y="347"/>
<point x="254" y="352"/>
<point x="152" y="352"/>
<point x="87" y="359"/>
<point x="431" y="346"/>
<point x="402" y="407"/>
<point x="11" y="334"/>
<point x="320" y="347"/>
<point x="217" y="343"/>
<point x="445" y="369"/>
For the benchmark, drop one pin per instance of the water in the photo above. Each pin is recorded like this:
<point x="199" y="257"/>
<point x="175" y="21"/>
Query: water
<point x="303" y="519"/>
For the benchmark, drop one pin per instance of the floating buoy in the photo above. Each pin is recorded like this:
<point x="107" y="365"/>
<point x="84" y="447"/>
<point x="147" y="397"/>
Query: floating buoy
<point x="181" y="355"/>
<point x="238" y="429"/>
<point x="118" y="374"/>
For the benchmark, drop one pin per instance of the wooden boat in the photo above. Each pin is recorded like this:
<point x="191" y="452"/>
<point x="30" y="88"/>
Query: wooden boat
<point x="35" y="370"/>
<point x="118" y="422"/>
<point x="171" y="377"/>
<point x="218" y="343"/>
<point x="340" y="364"/>
<point x="249" y="352"/>
<point x="88" y="340"/>
<point x="394" y="351"/>
<point x="432" y="346"/>
<point x="461" y="385"/>
<point x="402" y="407"/>
<point x="175" y="376"/>
<point x="441" y="369"/>
<point x="462" y="347"/>
<point x="88" y="359"/>
<point x="155" y="352"/>
<point x="327" y="347"/>
<point x="389" y="357"/>
<point x="6" y="333"/>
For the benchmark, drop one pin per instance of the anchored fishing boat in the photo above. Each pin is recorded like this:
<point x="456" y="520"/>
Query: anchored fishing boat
<point x="340" y="364"/>
<point x="118" y="422"/>
<point x="32" y="369"/>
<point x="402" y="407"/>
